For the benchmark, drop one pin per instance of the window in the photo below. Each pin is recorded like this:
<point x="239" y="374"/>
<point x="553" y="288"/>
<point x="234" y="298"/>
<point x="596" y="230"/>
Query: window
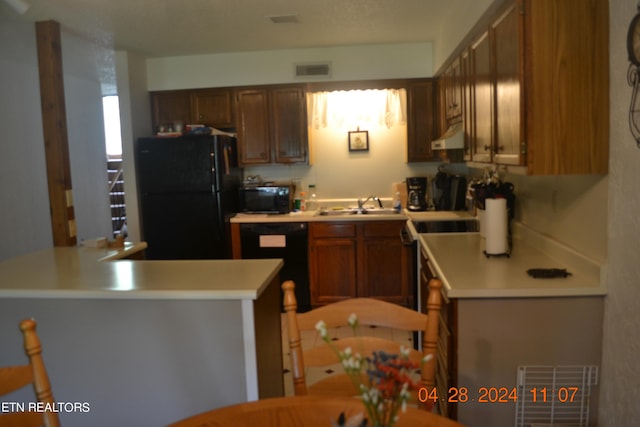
<point x="113" y="142"/>
<point x="112" y="126"/>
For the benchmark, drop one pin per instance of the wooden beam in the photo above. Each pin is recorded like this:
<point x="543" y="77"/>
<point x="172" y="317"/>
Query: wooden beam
<point x="54" y="126"/>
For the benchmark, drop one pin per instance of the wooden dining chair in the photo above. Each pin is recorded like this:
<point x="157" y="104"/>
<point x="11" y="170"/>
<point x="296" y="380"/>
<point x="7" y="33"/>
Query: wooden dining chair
<point x="14" y="378"/>
<point x="370" y="312"/>
<point x="307" y="411"/>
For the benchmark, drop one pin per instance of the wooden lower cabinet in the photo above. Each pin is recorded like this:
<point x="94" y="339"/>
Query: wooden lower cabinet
<point x="358" y="259"/>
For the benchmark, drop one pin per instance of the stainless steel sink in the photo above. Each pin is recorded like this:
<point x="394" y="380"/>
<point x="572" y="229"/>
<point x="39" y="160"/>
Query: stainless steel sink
<point x="381" y="211"/>
<point x="356" y="211"/>
<point x="336" y="212"/>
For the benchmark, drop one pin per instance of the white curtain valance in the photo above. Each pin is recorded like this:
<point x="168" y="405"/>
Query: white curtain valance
<point x="357" y="108"/>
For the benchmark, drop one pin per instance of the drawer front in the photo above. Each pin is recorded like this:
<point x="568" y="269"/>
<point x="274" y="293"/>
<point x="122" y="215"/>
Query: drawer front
<point x="383" y="229"/>
<point x="325" y="229"/>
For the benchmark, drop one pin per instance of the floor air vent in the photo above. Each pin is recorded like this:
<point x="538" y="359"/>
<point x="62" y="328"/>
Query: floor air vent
<point x="313" y="70"/>
<point x="554" y="396"/>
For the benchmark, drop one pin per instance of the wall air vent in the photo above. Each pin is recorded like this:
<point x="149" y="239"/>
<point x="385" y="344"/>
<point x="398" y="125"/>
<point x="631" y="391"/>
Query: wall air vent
<point x="317" y="70"/>
<point x="555" y="396"/>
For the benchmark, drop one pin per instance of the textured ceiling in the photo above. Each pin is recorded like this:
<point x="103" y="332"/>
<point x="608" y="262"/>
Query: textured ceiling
<point x="191" y="27"/>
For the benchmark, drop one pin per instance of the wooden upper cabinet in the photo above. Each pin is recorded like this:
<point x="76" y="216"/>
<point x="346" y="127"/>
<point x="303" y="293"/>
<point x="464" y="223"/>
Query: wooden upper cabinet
<point x="421" y="124"/>
<point x="509" y="142"/>
<point x="212" y="107"/>
<point x="453" y="91"/>
<point x="253" y="126"/>
<point x="168" y="107"/>
<point x="482" y="95"/>
<point x="566" y="66"/>
<point x="467" y="105"/>
<point x="272" y="125"/>
<point x="539" y="82"/>
<point x="289" y="121"/>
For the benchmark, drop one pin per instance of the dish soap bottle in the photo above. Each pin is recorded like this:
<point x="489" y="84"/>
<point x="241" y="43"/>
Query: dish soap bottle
<point x="303" y="201"/>
<point x="397" y="204"/>
<point x="312" y="201"/>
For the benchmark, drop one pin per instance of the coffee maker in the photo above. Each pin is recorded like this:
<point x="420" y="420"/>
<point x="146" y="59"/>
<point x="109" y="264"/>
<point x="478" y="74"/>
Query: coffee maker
<point x="417" y="193"/>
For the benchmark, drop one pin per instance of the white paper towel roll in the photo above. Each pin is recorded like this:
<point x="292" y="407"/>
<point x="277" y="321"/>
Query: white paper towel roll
<point x="495" y="226"/>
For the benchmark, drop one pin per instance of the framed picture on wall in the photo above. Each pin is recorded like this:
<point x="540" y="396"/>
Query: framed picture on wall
<point x="359" y="140"/>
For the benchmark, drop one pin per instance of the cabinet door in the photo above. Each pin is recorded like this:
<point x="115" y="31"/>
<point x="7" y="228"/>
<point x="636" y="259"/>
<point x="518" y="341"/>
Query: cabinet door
<point x="507" y="52"/>
<point x="289" y="124"/>
<point x="212" y="108"/>
<point x="383" y="270"/>
<point x="567" y="86"/>
<point x="170" y="107"/>
<point x="332" y="262"/>
<point x="467" y="105"/>
<point x="482" y="99"/>
<point x="421" y="124"/>
<point x="453" y="93"/>
<point x="253" y="126"/>
<point x="332" y="270"/>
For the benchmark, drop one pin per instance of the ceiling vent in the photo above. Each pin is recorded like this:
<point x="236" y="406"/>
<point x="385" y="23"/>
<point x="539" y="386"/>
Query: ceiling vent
<point x="283" y="19"/>
<point x="322" y="70"/>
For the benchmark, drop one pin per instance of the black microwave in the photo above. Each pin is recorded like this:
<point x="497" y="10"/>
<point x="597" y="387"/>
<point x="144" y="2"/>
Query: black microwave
<point x="269" y="199"/>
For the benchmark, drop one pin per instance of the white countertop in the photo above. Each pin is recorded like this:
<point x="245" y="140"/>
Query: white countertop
<point x="310" y="216"/>
<point x="112" y="254"/>
<point x="459" y="261"/>
<point x="76" y="272"/>
<point x="429" y="216"/>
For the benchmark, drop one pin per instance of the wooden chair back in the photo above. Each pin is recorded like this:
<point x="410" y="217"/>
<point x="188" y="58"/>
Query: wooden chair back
<point x="13" y="378"/>
<point x="370" y="312"/>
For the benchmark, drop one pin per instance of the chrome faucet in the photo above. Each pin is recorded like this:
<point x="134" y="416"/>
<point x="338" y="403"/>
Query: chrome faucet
<point x="362" y="202"/>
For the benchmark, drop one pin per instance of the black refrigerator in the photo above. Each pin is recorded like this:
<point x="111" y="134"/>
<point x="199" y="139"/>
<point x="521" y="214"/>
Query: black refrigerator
<point x="188" y="190"/>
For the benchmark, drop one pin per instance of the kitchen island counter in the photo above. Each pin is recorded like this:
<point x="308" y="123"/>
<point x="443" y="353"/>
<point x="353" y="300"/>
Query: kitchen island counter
<point x="145" y="343"/>
<point x="75" y="272"/>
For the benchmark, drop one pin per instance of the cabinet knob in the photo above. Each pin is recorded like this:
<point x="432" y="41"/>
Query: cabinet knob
<point x="201" y="116"/>
<point x="487" y="148"/>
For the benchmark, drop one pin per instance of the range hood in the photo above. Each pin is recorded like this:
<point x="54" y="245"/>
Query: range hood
<point x="452" y="139"/>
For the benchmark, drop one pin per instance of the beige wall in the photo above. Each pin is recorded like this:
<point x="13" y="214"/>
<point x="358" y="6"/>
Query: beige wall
<point x="571" y="209"/>
<point x="620" y="377"/>
<point x="25" y="222"/>
<point x="277" y="66"/>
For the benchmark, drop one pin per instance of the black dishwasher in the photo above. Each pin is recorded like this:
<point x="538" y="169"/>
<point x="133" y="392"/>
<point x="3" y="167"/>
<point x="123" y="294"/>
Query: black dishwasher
<point x="286" y="240"/>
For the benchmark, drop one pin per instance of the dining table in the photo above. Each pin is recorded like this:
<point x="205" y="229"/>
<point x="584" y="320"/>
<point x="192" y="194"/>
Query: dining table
<point x="303" y="411"/>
